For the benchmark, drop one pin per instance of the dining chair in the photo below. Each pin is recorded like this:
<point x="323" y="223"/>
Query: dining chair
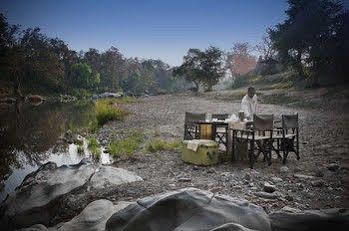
<point x="192" y="130"/>
<point x="287" y="137"/>
<point x="259" y="138"/>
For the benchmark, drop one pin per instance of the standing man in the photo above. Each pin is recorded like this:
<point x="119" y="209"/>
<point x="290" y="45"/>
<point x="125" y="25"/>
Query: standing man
<point x="249" y="103"/>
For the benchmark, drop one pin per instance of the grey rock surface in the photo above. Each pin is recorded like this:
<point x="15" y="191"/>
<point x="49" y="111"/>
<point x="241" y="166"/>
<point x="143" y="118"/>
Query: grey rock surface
<point x="190" y="209"/>
<point x="107" y="176"/>
<point x="33" y="201"/>
<point x="93" y="217"/>
<point x="52" y="190"/>
<point x="320" y="220"/>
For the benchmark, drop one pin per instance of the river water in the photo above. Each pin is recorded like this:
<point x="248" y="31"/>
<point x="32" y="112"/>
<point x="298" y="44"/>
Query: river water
<point x="30" y="136"/>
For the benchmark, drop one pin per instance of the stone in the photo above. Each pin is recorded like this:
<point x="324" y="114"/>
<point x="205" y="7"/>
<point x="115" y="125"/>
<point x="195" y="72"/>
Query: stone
<point x="184" y="179"/>
<point x="284" y="169"/>
<point x="247" y="176"/>
<point x="193" y="209"/>
<point x="195" y="168"/>
<point x="329" y="219"/>
<point x="303" y="177"/>
<point x="269" y="188"/>
<point x="44" y="192"/>
<point x="37" y="227"/>
<point x="111" y="176"/>
<point x="317" y="183"/>
<point x="94" y="216"/>
<point x="319" y="173"/>
<point x="333" y="167"/>
<point x="266" y="195"/>
<point x="276" y="179"/>
<point x="29" y="203"/>
<point x="289" y="197"/>
<point x="290" y="210"/>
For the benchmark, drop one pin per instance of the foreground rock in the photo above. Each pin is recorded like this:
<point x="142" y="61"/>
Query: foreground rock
<point x="330" y="219"/>
<point x="36" y="200"/>
<point x="190" y="209"/>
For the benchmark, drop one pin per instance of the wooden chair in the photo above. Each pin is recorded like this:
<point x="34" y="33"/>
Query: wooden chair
<point x="259" y="138"/>
<point x="287" y="137"/>
<point x="192" y="130"/>
<point x="221" y="132"/>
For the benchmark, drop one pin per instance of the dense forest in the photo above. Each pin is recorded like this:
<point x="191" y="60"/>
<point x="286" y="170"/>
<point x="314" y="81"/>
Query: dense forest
<point x="35" y="63"/>
<point x="312" y="42"/>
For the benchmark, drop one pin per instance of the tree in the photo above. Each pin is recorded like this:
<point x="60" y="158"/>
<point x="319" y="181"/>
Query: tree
<point x="309" y="38"/>
<point x="82" y="76"/>
<point x="202" y="67"/>
<point x="266" y="48"/>
<point x="240" y="60"/>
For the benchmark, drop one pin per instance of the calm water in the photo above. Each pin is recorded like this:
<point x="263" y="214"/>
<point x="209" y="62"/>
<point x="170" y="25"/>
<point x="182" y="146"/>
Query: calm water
<point x="29" y="137"/>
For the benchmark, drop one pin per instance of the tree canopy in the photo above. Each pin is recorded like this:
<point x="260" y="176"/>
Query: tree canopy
<point x="202" y="67"/>
<point x="312" y="39"/>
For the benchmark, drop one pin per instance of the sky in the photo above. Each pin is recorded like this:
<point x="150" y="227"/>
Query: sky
<point x="158" y="29"/>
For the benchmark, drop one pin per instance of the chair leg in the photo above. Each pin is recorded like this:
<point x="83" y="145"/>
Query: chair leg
<point x="251" y="154"/>
<point x="285" y="156"/>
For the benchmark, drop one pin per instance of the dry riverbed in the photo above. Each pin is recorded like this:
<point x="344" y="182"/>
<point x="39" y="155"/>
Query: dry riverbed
<point x="316" y="181"/>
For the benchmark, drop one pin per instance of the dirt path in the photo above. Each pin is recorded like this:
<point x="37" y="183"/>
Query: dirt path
<point x="323" y="136"/>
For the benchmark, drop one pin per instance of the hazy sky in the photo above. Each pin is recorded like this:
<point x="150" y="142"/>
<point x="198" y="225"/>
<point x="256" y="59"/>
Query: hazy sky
<point x="149" y="28"/>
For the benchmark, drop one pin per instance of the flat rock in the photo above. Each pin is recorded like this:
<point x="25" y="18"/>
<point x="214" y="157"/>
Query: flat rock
<point x="30" y="202"/>
<point x="269" y="188"/>
<point x="276" y="179"/>
<point x="333" y="167"/>
<point x="43" y="193"/>
<point x="190" y="209"/>
<point x="303" y="177"/>
<point x="110" y="176"/>
<point x="330" y="219"/>
<point x="266" y="195"/>
<point x="93" y="217"/>
<point x="317" y="183"/>
<point x="284" y="169"/>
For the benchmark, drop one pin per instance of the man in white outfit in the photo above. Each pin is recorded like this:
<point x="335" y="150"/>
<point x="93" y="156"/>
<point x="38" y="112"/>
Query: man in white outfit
<point x="249" y="103"/>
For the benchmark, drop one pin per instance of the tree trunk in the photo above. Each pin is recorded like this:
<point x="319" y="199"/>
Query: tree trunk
<point x="17" y="87"/>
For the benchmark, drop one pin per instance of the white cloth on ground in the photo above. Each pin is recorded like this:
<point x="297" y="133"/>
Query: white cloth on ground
<point x="195" y="144"/>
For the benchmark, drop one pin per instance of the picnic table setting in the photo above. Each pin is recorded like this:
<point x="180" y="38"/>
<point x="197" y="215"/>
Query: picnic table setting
<point x="214" y="138"/>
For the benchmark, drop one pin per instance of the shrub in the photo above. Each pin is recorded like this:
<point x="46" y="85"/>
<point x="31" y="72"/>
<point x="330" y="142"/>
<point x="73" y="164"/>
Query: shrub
<point x="160" y="145"/>
<point x="94" y="147"/>
<point x="127" y="146"/>
<point x="106" y="110"/>
<point x="80" y="149"/>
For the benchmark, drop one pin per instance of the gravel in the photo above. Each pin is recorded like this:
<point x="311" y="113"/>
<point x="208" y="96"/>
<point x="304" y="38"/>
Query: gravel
<point x="323" y="137"/>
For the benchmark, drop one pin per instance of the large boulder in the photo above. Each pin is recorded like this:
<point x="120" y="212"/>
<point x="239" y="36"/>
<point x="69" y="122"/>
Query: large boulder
<point x="109" y="176"/>
<point x="33" y="202"/>
<point x="319" y="220"/>
<point x="93" y="217"/>
<point x="189" y="209"/>
<point x="44" y="193"/>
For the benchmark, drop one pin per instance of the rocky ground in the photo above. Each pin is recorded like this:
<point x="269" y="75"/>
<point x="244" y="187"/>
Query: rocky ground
<point x="316" y="181"/>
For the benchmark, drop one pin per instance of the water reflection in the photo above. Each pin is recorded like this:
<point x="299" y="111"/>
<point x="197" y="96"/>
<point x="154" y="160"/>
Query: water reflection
<point x="29" y="135"/>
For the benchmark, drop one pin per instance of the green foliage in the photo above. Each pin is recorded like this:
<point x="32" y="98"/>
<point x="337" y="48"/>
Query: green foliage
<point x="127" y="146"/>
<point x="94" y="147"/>
<point x="239" y="81"/>
<point x="202" y="67"/>
<point x="81" y="93"/>
<point x="161" y="145"/>
<point x="80" y="149"/>
<point x="82" y="76"/>
<point x="312" y="40"/>
<point x="106" y="110"/>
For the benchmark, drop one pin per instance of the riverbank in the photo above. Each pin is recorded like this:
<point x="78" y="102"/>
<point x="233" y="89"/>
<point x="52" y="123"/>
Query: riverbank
<point x="314" y="182"/>
<point x="323" y="138"/>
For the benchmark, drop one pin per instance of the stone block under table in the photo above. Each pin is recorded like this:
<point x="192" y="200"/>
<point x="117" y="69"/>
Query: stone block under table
<point x="201" y="152"/>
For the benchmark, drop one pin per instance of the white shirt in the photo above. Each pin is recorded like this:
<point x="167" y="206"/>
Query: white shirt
<point x="249" y="106"/>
